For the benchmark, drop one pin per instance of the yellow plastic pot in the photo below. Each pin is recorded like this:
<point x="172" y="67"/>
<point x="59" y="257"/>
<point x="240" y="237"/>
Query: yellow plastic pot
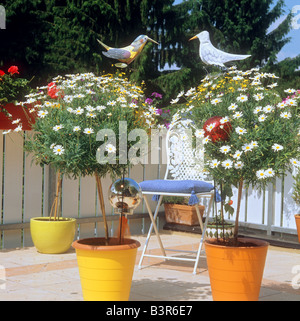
<point x="106" y="270"/>
<point x="52" y="237"/>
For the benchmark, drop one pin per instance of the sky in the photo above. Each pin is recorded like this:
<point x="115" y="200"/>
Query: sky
<point x="292" y="49"/>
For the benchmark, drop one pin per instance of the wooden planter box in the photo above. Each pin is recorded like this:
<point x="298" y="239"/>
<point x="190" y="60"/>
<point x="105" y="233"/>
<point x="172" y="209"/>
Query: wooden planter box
<point x="182" y="214"/>
<point x="17" y="112"/>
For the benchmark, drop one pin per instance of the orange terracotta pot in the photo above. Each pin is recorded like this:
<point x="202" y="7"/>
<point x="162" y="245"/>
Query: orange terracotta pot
<point x="236" y="272"/>
<point x="297" y="218"/>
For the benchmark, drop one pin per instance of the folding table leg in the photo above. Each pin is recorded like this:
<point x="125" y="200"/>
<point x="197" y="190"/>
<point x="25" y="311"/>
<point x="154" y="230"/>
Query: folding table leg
<point x="152" y="226"/>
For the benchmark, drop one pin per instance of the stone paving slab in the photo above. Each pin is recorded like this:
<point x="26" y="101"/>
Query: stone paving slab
<point x="32" y="276"/>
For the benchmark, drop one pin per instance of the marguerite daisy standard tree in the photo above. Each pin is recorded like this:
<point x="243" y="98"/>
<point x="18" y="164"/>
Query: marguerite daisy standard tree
<point x="72" y="110"/>
<point x="250" y="133"/>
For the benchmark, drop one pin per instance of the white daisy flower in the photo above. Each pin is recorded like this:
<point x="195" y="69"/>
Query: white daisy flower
<point x="199" y="133"/>
<point x="233" y="107"/>
<point x="269" y="172"/>
<point x="214" y="163"/>
<point x="91" y="115"/>
<point x="268" y="109"/>
<point x="58" y="150"/>
<point x="79" y="111"/>
<point x="16" y="121"/>
<point x="88" y="131"/>
<point x="262" y="118"/>
<point x="111" y="103"/>
<point x="42" y="113"/>
<point x="238" y="165"/>
<point x="289" y="90"/>
<point x="225" y="149"/>
<point x="76" y="129"/>
<point x="237" y="114"/>
<point x="227" y="163"/>
<point x="295" y="162"/>
<point x="18" y="129"/>
<point x="237" y="154"/>
<point x="89" y="108"/>
<point x="210" y="127"/>
<point x="216" y="101"/>
<point x="241" y="131"/>
<point x="79" y="96"/>
<point x="277" y="147"/>
<point x="286" y="115"/>
<point x="258" y="96"/>
<point x="291" y="102"/>
<point x="100" y="108"/>
<point x="254" y="143"/>
<point x="110" y="148"/>
<point x="247" y="147"/>
<point x="58" y="127"/>
<point x="257" y="110"/>
<point x="174" y="101"/>
<point x="206" y="140"/>
<point x="224" y="120"/>
<point x="261" y="174"/>
<point x="242" y="98"/>
<point x="281" y="105"/>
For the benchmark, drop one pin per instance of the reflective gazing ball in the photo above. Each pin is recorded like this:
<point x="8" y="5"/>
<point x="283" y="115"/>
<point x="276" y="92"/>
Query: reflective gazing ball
<point x="125" y="195"/>
<point x="216" y="130"/>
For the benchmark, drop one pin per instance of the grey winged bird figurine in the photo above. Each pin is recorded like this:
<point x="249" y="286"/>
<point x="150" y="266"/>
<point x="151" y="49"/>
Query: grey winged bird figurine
<point x="213" y="56"/>
<point x="126" y="54"/>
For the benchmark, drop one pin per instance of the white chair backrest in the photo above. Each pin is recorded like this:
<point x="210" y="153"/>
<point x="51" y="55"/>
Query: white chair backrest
<point x="185" y="152"/>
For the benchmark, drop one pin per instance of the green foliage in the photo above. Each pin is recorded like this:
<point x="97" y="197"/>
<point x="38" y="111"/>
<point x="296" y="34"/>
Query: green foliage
<point x="175" y="200"/>
<point x="12" y="88"/>
<point x="296" y="186"/>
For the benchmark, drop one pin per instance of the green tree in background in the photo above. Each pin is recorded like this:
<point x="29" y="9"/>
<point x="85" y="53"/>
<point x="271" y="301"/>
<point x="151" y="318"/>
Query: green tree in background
<point x="46" y="38"/>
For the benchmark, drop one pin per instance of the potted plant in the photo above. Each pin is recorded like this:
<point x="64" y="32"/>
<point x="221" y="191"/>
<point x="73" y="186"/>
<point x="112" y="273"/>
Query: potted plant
<point x="13" y="89"/>
<point x="296" y="198"/>
<point x="178" y="211"/>
<point x="79" y="132"/>
<point x="250" y="136"/>
<point x="218" y="227"/>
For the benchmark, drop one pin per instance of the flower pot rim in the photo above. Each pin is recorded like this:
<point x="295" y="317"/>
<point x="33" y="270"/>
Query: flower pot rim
<point x="226" y="225"/>
<point x="256" y="243"/>
<point x="46" y="219"/>
<point x="297" y="215"/>
<point x="92" y="244"/>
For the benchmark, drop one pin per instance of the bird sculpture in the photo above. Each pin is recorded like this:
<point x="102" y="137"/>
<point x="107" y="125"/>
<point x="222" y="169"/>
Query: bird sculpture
<point x="126" y="54"/>
<point x="213" y="56"/>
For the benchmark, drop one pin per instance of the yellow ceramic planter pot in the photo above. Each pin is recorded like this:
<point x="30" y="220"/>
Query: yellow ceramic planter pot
<point x="52" y="237"/>
<point x="106" y="270"/>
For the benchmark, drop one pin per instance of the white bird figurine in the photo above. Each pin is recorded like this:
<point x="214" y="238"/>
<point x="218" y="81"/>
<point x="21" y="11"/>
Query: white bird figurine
<point x="213" y="56"/>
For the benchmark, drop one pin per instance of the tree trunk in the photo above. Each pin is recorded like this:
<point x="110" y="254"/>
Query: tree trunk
<point x="236" y="227"/>
<point x="102" y="206"/>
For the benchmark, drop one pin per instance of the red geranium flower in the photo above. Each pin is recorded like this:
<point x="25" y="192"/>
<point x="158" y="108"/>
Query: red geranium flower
<point x="53" y="91"/>
<point x="2" y="73"/>
<point x="13" y="70"/>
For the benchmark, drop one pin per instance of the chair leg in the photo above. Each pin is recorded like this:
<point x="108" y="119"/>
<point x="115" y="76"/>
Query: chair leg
<point x="203" y="228"/>
<point x="152" y="226"/>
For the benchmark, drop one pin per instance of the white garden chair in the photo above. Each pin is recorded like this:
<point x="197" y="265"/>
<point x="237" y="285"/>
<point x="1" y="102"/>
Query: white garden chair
<point x="184" y="177"/>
